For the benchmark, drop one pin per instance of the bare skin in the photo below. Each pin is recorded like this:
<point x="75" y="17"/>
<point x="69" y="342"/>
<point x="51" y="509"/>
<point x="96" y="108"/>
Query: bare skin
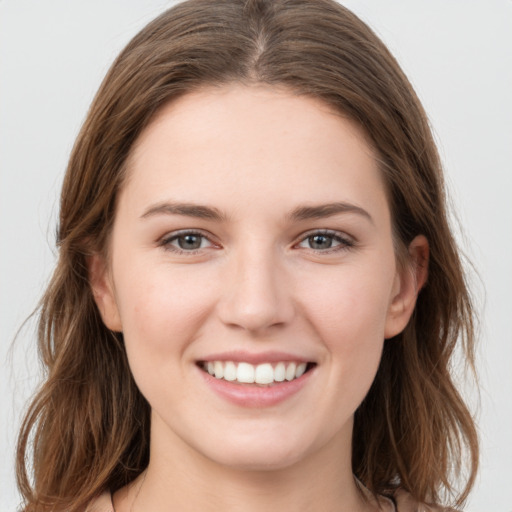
<point x="254" y="225"/>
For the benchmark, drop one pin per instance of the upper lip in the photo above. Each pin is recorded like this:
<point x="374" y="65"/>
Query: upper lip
<point x="255" y="358"/>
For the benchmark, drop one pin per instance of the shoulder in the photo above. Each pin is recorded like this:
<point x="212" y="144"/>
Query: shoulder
<point x="406" y="503"/>
<point x="103" y="503"/>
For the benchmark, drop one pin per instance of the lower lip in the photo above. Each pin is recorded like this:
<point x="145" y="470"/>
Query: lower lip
<point x="247" y="395"/>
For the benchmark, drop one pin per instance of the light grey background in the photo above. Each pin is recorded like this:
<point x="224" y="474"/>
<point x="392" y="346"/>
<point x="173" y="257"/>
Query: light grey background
<point x="458" y="55"/>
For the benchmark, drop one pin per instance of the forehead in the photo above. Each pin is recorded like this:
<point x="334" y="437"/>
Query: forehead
<point x="254" y="111"/>
<point x="216" y="143"/>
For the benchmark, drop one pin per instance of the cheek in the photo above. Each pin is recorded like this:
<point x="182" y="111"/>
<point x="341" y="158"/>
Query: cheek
<point x="349" y="317"/>
<point x="161" y="313"/>
<point x="161" y="309"/>
<point x="351" y="301"/>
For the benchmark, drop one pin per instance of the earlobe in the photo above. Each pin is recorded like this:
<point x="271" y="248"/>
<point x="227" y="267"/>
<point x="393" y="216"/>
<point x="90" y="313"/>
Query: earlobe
<point x="409" y="281"/>
<point x="103" y="292"/>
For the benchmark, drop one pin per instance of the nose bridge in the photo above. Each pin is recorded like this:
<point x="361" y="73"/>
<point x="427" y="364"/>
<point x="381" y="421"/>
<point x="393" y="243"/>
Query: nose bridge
<point x="256" y="295"/>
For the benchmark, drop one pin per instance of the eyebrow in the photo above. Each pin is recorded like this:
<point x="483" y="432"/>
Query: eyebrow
<point x="187" y="209"/>
<point x="211" y="213"/>
<point x="328" y="210"/>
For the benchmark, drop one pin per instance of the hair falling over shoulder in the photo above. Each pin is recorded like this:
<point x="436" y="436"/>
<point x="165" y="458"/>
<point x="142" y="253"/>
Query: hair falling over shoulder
<point x="87" y="428"/>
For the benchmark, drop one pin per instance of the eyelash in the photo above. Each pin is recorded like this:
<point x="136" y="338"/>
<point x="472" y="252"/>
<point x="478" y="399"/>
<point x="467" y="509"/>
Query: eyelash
<point x="166" y="242"/>
<point x="344" y="242"/>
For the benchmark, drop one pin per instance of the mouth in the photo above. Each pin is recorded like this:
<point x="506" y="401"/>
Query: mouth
<point x="261" y="375"/>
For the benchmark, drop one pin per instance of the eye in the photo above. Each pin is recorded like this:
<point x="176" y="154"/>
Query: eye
<point x="186" y="241"/>
<point x="324" y="241"/>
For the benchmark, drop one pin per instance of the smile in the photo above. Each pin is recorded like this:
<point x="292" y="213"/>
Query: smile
<point x="265" y="374"/>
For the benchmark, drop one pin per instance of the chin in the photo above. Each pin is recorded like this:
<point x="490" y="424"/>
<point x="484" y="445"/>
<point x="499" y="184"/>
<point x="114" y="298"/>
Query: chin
<point x="260" y="452"/>
<point x="258" y="460"/>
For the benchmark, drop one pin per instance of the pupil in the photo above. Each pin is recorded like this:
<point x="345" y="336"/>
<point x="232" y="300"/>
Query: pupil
<point x="320" y="242"/>
<point x="189" y="242"/>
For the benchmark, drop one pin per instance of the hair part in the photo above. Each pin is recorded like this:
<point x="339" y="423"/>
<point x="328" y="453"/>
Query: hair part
<point x="89" y="424"/>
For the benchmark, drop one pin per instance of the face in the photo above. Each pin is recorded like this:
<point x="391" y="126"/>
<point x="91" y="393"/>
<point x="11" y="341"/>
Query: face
<point x="252" y="272"/>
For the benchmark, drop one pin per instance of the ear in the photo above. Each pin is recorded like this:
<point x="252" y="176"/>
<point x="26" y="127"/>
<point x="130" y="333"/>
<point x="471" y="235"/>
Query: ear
<point x="103" y="292"/>
<point x="409" y="280"/>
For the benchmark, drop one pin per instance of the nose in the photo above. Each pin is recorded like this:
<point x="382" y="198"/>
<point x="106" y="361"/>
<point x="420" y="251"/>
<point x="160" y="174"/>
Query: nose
<point x="257" y="293"/>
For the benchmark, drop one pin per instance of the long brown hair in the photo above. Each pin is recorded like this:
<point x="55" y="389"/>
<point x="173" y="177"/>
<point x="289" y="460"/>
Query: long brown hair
<point x="87" y="428"/>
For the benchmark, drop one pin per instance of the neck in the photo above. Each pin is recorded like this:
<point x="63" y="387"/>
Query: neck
<point x="179" y="478"/>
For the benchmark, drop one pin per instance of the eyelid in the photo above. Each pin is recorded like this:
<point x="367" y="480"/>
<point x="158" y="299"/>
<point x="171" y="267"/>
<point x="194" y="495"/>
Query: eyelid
<point x="165" y="241"/>
<point x="345" y="241"/>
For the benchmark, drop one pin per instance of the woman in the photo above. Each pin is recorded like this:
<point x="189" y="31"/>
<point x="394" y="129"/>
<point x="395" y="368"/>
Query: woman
<point x="258" y="294"/>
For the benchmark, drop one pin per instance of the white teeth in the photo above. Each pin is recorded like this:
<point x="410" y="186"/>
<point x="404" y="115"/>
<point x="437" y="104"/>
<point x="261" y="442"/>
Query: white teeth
<point x="218" y="368"/>
<point x="279" y="372"/>
<point x="263" y="374"/>
<point x="245" y="373"/>
<point x="230" y="371"/>
<point x="301" y="368"/>
<point x="290" y="371"/>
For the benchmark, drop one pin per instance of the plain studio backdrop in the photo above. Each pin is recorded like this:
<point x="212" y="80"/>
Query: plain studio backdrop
<point x="457" y="54"/>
